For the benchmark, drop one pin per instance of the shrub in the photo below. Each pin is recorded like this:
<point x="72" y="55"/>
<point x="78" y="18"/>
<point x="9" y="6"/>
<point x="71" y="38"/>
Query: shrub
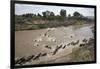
<point x="82" y="54"/>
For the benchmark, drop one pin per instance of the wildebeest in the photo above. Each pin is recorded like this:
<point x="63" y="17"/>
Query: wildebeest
<point x="44" y="54"/>
<point x="35" y="40"/>
<point x="74" y="43"/>
<point x="82" y="45"/>
<point x="20" y="61"/>
<point x="60" y="45"/>
<point x="77" y="42"/>
<point x="45" y="34"/>
<point x="64" y="46"/>
<point x="37" y="57"/>
<point x="71" y="36"/>
<point x="85" y="40"/>
<point x="90" y="42"/>
<point x="29" y="58"/>
<point x="47" y="47"/>
<point x="36" y="44"/>
<point x="38" y="39"/>
<point x="68" y="44"/>
<point x="56" y="50"/>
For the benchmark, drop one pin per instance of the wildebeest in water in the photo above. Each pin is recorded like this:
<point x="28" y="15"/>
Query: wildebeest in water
<point x="56" y="50"/>
<point x="37" y="57"/>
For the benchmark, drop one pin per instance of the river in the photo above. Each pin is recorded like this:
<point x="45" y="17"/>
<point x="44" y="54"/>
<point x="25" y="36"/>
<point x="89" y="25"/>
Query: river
<point x="31" y="42"/>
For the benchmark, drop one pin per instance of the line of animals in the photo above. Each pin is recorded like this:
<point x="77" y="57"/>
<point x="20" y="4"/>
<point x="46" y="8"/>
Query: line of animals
<point x="23" y="60"/>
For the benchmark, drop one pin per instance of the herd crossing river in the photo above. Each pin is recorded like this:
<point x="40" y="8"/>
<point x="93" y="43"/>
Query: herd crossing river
<point x="50" y="45"/>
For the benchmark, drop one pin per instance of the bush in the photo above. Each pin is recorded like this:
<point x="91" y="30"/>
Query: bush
<point x="33" y="27"/>
<point x="41" y="26"/>
<point x="82" y="54"/>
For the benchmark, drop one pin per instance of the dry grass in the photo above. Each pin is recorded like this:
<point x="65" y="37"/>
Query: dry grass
<point x="82" y="54"/>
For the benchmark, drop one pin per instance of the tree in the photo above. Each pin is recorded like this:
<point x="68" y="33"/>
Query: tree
<point x="44" y="14"/>
<point x="39" y="15"/>
<point x="77" y="14"/>
<point x="69" y="15"/>
<point x="52" y="14"/>
<point x="48" y="13"/>
<point x="30" y="15"/>
<point x="63" y="13"/>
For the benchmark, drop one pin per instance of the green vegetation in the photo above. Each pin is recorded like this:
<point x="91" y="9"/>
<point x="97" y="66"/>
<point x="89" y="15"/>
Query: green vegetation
<point x="77" y="14"/>
<point x="85" y="53"/>
<point x="47" y="19"/>
<point x="82" y="54"/>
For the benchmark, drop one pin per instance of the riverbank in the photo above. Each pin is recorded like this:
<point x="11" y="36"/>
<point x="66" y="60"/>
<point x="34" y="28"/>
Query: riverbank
<point x="42" y="24"/>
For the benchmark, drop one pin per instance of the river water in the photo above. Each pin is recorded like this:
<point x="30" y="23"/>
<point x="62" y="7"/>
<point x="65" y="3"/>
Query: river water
<point x="26" y="41"/>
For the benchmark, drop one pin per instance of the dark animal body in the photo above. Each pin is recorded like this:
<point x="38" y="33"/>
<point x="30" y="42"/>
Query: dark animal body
<point x="74" y="43"/>
<point x="48" y="47"/>
<point x="29" y="58"/>
<point x="20" y="61"/>
<point x="37" y="57"/>
<point x="68" y="44"/>
<point x="44" y="54"/>
<point x="56" y="50"/>
<point x="84" y="40"/>
<point x="64" y="47"/>
<point x="82" y="45"/>
<point x="90" y="42"/>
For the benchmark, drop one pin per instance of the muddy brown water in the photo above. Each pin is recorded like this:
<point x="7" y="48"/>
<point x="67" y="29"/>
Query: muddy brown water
<point x="25" y="44"/>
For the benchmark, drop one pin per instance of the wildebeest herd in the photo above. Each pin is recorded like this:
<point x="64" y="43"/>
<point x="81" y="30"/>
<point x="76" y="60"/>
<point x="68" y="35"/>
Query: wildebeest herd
<point x="23" y="60"/>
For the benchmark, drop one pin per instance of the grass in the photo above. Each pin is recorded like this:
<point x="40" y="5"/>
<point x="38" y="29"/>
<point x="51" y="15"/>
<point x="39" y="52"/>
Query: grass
<point x="28" y="25"/>
<point x="82" y="54"/>
<point x="80" y="22"/>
